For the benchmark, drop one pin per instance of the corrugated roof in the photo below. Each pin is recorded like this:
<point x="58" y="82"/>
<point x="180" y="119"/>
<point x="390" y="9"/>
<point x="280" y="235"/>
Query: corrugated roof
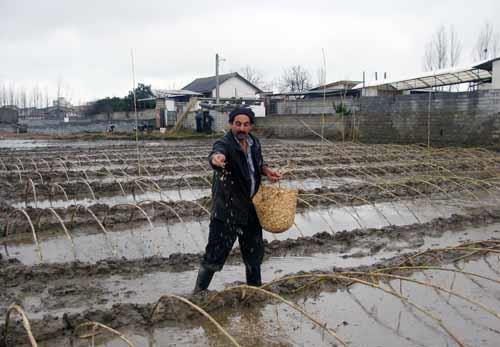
<point x="332" y="85"/>
<point x="207" y="84"/>
<point x="164" y="93"/>
<point x="477" y="72"/>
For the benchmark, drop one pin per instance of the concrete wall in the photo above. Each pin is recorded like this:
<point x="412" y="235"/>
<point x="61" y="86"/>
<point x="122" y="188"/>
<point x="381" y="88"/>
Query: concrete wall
<point x="123" y="122"/>
<point x="311" y="106"/>
<point x="302" y="126"/>
<point x="8" y="115"/>
<point x="59" y="128"/>
<point x="455" y="118"/>
<point x="370" y="91"/>
<point x="495" y="80"/>
<point x="124" y="116"/>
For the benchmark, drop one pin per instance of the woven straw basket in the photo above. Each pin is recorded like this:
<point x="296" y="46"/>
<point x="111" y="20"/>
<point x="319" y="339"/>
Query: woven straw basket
<point x="275" y="208"/>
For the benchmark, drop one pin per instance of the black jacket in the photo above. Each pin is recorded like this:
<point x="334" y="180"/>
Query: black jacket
<point x="231" y="185"/>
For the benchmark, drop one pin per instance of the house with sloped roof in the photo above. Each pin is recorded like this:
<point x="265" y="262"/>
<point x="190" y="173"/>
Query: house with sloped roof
<point x="231" y="85"/>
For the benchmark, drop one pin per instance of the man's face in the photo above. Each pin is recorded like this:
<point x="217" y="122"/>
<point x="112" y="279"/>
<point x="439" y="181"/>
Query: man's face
<point x="241" y="126"/>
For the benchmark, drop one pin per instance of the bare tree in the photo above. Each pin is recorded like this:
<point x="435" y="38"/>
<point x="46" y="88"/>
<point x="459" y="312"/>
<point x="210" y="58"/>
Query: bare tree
<point x="11" y="94"/>
<point x="36" y="97"/>
<point x="436" y="51"/>
<point x="487" y="44"/>
<point x="59" y="91"/>
<point x="46" y="97"/>
<point x="455" y="47"/>
<point x="3" y="95"/>
<point x="253" y="76"/>
<point x="295" y="79"/>
<point x="23" y="98"/>
<point x="443" y="50"/>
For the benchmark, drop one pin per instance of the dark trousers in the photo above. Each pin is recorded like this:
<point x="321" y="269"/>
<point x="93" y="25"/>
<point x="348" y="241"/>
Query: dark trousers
<point x="221" y="239"/>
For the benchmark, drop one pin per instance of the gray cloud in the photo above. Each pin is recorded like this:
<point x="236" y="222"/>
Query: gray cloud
<point x="86" y="44"/>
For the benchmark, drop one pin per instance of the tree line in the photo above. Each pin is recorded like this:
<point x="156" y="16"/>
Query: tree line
<point x="124" y="104"/>
<point x="38" y="97"/>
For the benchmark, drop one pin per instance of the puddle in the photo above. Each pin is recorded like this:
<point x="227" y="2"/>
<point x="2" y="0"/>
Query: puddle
<point x="150" y="285"/>
<point x="190" y="237"/>
<point x="19" y="144"/>
<point x="362" y="316"/>
<point x="173" y="195"/>
<point x="176" y="194"/>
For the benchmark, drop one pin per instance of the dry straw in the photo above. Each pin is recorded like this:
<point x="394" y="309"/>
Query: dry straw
<point x="25" y="322"/>
<point x="93" y="333"/>
<point x="275" y="207"/>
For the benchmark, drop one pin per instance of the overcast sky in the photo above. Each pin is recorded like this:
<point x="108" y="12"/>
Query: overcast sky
<point x="85" y="45"/>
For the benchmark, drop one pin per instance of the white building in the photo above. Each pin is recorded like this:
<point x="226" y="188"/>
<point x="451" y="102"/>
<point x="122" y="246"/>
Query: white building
<point x="231" y="85"/>
<point x="61" y="102"/>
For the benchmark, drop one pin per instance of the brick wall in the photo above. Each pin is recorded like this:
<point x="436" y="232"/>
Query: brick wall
<point x="56" y="127"/>
<point x="455" y="118"/>
<point x="123" y="122"/>
<point x="124" y="116"/>
<point x="312" y="106"/>
<point x="302" y="125"/>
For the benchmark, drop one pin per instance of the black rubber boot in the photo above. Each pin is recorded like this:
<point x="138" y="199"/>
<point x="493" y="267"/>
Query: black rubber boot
<point x="203" y="280"/>
<point x="253" y="275"/>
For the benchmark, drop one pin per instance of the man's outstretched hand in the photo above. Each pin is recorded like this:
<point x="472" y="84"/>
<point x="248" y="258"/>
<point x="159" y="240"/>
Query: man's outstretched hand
<point x="274" y="176"/>
<point x="219" y="160"/>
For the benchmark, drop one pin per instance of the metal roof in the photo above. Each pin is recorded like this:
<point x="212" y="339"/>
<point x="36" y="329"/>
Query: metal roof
<point x="326" y="91"/>
<point x="207" y="84"/>
<point x="332" y="85"/>
<point x="477" y="72"/>
<point x="164" y="93"/>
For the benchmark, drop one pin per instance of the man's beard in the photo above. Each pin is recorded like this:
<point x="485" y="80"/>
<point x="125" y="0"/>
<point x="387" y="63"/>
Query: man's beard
<point x="241" y="135"/>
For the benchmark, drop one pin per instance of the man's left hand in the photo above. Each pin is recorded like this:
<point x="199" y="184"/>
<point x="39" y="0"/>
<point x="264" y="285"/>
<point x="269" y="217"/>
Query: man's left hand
<point x="274" y="176"/>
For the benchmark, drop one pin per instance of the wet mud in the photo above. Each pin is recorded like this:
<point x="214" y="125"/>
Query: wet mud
<point x="294" y="285"/>
<point x="44" y="184"/>
<point x="151" y="210"/>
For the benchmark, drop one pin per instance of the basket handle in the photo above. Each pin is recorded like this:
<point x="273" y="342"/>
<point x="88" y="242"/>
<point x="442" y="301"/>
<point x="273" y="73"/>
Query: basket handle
<point x="288" y="167"/>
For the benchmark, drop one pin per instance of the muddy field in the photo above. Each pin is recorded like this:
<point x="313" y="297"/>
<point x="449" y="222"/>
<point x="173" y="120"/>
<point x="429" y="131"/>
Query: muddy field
<point x="392" y="246"/>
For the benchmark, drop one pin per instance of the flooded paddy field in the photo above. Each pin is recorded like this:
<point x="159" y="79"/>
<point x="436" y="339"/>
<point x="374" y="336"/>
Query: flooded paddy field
<point x="392" y="246"/>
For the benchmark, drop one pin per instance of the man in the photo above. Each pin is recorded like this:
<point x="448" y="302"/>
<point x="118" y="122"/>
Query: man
<point x="238" y="167"/>
<point x="207" y="122"/>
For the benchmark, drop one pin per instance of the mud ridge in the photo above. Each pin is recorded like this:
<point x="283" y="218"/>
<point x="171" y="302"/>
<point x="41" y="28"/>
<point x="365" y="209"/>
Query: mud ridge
<point x="344" y="195"/>
<point x="121" y="315"/>
<point x="15" y="274"/>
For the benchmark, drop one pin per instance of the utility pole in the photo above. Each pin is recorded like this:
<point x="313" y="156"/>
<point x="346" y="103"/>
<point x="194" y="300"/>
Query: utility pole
<point x="217" y="79"/>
